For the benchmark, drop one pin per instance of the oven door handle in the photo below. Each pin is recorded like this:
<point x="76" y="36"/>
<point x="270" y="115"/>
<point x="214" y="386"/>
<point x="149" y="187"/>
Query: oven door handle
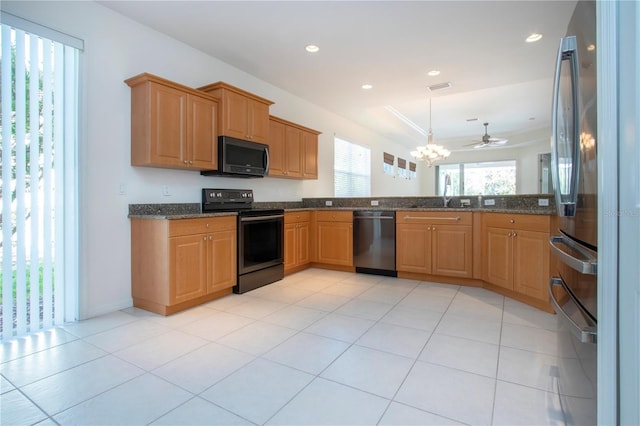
<point x="256" y="218"/>
<point x="586" y="334"/>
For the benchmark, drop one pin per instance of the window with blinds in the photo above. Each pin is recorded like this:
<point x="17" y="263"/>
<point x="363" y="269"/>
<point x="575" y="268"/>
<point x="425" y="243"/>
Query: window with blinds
<point x="388" y="160"/>
<point x="38" y="128"/>
<point x="352" y="169"/>
<point x="402" y="168"/>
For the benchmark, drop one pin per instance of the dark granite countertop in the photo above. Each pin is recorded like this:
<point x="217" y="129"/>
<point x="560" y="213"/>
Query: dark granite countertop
<point x="515" y="204"/>
<point x="427" y="209"/>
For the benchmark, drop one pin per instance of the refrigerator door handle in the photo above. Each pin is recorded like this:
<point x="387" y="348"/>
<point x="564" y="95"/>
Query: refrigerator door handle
<point x="566" y="192"/>
<point x="588" y="264"/>
<point x="587" y="334"/>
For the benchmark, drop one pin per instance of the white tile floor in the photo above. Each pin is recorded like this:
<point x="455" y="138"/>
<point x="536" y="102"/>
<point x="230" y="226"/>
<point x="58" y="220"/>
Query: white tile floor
<point x="319" y="347"/>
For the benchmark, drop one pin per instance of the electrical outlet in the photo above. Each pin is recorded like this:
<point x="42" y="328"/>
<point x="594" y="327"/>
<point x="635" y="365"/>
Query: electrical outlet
<point x="122" y="189"/>
<point x="544" y="202"/>
<point x="490" y="202"/>
<point x="328" y="203"/>
<point x="166" y="191"/>
<point x="375" y="203"/>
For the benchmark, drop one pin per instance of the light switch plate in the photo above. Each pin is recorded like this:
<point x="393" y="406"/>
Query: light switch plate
<point x="490" y="202"/>
<point x="375" y="203"/>
<point x="543" y="202"/>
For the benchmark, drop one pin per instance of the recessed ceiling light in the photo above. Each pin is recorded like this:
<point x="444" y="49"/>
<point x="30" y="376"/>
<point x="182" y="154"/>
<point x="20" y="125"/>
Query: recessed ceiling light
<point x="312" y="48"/>
<point x="533" y="38"/>
<point x="433" y="73"/>
<point x="367" y="86"/>
<point x="591" y="47"/>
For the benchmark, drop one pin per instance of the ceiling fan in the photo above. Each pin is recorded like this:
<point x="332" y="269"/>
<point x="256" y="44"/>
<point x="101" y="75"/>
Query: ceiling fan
<point x="487" y="140"/>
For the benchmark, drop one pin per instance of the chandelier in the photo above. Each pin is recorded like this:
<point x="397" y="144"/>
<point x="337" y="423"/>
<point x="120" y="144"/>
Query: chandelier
<point x="430" y="152"/>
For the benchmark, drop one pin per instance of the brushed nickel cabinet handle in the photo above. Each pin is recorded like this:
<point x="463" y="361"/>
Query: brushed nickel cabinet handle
<point x="455" y="218"/>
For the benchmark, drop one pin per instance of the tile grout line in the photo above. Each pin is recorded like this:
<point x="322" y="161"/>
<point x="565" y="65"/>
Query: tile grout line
<point x="417" y="357"/>
<point x="317" y="376"/>
<point x="495" y="384"/>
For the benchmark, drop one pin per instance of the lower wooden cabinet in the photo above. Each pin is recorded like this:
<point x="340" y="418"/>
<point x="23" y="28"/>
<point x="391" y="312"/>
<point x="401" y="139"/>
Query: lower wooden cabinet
<point x="435" y="243"/>
<point x="177" y="264"/>
<point x="297" y="228"/>
<point x="334" y="237"/>
<point x="516" y="253"/>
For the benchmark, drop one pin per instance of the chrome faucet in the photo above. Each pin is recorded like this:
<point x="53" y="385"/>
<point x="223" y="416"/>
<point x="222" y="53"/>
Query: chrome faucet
<point x="447" y="188"/>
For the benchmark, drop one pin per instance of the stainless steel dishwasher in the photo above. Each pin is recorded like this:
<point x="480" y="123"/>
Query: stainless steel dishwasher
<point x="374" y="242"/>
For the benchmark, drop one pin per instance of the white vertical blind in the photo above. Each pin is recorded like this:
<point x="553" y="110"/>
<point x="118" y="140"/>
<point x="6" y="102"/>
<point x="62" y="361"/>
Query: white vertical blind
<point x="33" y="139"/>
<point x="7" y="280"/>
<point x="352" y="169"/>
<point x="39" y="109"/>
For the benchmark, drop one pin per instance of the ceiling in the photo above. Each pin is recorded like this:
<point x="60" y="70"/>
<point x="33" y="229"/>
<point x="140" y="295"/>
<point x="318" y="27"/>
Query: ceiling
<point x="478" y="46"/>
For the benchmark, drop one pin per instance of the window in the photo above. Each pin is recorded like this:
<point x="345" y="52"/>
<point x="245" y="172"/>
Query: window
<point x="38" y="128"/>
<point x="352" y="169"/>
<point x="486" y="178"/>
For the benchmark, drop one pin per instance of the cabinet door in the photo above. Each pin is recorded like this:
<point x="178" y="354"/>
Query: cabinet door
<point x="531" y="263"/>
<point x="309" y="155"/>
<point x="276" y="148"/>
<point x="452" y="251"/>
<point x="202" y="133"/>
<point x="335" y="243"/>
<point x="293" y="151"/>
<point x="235" y="119"/>
<point x="188" y="267"/>
<point x="290" y="245"/>
<point x="222" y="260"/>
<point x="498" y="258"/>
<point x="304" y="256"/>
<point x="413" y="248"/>
<point x="168" y="127"/>
<point x="258" y="121"/>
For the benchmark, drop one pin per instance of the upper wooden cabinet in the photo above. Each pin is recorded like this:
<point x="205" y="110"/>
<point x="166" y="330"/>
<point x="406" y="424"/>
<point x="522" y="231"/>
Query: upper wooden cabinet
<point x="310" y="155"/>
<point x="242" y="115"/>
<point x="516" y="253"/>
<point x="293" y="150"/>
<point x="435" y="243"/>
<point x="172" y="125"/>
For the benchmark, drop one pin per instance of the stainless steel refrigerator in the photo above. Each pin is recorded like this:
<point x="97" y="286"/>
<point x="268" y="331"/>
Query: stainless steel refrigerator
<point x="573" y="289"/>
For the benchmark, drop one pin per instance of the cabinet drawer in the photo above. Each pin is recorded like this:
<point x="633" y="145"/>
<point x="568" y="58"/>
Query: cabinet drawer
<point x="443" y="218"/>
<point x="201" y="225"/>
<point x="297" y="217"/>
<point x="334" y="216"/>
<point x="526" y="222"/>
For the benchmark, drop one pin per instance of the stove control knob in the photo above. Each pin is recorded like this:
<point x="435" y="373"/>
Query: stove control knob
<point x="219" y="195"/>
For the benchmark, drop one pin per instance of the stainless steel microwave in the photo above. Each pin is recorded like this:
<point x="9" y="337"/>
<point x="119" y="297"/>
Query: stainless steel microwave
<point x="237" y="157"/>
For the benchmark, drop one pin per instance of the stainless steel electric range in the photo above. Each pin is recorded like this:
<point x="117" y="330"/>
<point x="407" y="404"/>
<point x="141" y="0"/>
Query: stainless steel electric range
<point x="260" y="236"/>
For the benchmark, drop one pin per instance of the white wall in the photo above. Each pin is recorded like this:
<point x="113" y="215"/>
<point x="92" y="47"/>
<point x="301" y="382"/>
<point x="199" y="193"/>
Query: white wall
<point x="117" y="48"/>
